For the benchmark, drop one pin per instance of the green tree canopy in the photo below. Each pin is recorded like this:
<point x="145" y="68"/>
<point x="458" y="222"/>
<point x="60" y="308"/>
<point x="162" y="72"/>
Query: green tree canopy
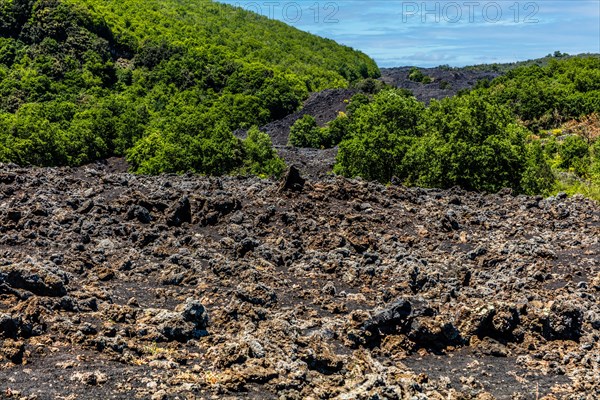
<point x="164" y="82"/>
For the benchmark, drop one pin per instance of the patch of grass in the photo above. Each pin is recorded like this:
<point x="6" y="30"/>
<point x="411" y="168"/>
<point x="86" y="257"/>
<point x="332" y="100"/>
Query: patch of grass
<point x="154" y="350"/>
<point x="571" y="185"/>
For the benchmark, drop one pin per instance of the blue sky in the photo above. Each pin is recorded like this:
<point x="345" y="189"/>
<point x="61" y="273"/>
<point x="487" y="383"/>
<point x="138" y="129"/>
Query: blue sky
<point x="430" y="33"/>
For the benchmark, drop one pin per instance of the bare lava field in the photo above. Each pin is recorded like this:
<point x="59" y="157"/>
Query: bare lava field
<point x="116" y="286"/>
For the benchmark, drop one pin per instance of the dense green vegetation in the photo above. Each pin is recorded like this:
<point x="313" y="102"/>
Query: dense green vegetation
<point x="306" y="133"/>
<point x="545" y="97"/>
<point x="465" y="141"/>
<point x="494" y="136"/>
<point x="573" y="152"/>
<point x="505" y="67"/>
<point x="164" y="82"/>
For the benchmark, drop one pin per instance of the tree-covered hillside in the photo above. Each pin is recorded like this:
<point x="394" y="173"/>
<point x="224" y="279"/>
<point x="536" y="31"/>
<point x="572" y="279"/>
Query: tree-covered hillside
<point x="512" y="132"/>
<point x="162" y="81"/>
<point x="544" y="97"/>
<point x="506" y="67"/>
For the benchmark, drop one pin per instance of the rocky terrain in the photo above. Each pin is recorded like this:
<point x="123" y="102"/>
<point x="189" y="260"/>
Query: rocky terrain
<point x="446" y="82"/>
<point x="114" y="286"/>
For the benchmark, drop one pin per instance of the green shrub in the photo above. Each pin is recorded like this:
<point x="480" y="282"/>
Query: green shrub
<point x="33" y="139"/>
<point x="157" y="153"/>
<point x="370" y="86"/>
<point x="306" y="133"/>
<point x="574" y="155"/>
<point x="356" y="102"/>
<point x="416" y="75"/>
<point x="537" y="177"/>
<point x="379" y="135"/>
<point x="260" y="158"/>
<point x="468" y="142"/>
<point x="337" y="130"/>
<point x="544" y="97"/>
<point x="465" y="141"/>
<point x="214" y="153"/>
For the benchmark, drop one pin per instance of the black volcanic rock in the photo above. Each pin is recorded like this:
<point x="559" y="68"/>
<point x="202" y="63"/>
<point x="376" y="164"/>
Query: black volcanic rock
<point x="447" y="82"/>
<point x="292" y="180"/>
<point x="346" y="288"/>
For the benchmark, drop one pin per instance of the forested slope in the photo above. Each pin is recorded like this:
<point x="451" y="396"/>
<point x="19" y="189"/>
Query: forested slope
<point x="527" y="129"/>
<point x="164" y="82"/>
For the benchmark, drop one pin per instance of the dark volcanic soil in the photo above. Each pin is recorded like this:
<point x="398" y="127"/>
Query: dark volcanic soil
<point x="173" y="287"/>
<point x="446" y="82"/>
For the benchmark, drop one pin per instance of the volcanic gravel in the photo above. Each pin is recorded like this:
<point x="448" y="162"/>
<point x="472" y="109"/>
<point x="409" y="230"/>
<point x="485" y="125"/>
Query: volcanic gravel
<point x="116" y="286"/>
